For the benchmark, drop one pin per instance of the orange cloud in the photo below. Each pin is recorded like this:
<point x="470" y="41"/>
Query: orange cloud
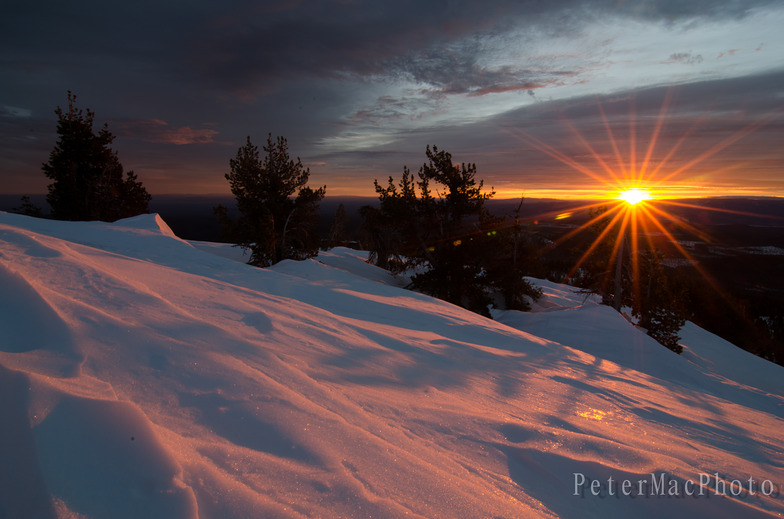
<point x="158" y="131"/>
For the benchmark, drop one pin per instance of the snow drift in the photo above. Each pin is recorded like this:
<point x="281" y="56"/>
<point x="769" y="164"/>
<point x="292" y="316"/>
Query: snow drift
<point x="144" y="376"/>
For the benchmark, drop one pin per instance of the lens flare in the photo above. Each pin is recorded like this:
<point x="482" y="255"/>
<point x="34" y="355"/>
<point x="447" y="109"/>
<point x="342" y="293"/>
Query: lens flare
<point x="622" y="231"/>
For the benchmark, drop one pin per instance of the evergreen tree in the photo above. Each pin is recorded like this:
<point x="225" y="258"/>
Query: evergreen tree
<point x="451" y="231"/>
<point x="440" y="232"/>
<point x="28" y="208"/>
<point x="509" y="260"/>
<point x="337" y="230"/>
<point x="229" y="231"/>
<point x="439" y="226"/>
<point x="88" y="181"/>
<point x="274" y="224"/>
<point x="375" y="237"/>
<point x="660" y="311"/>
<point x="392" y="230"/>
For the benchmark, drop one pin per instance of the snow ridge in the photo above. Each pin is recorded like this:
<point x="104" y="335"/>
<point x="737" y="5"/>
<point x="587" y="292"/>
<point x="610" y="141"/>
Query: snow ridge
<point x="144" y="376"/>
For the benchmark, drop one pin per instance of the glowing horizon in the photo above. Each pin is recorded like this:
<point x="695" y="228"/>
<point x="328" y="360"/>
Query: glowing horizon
<point x="602" y="193"/>
<point x="627" y="188"/>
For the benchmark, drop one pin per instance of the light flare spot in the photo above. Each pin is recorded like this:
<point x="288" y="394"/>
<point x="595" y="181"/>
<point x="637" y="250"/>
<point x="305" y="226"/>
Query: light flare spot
<point x="634" y="196"/>
<point x="593" y="414"/>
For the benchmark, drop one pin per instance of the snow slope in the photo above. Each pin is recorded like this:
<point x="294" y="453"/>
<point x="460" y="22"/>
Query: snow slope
<point x="144" y="376"/>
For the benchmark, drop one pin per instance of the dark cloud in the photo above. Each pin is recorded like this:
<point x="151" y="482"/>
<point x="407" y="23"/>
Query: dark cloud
<point x="708" y="132"/>
<point x="460" y="71"/>
<point x="252" y="48"/>
<point x="244" y="48"/>
<point x="247" y="43"/>
<point x="705" y="126"/>
<point x="319" y="70"/>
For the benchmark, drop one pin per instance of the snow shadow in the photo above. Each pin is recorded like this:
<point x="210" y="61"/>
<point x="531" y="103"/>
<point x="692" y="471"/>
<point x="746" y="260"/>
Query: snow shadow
<point x="23" y="491"/>
<point x="250" y="424"/>
<point x="29" y="245"/>
<point x="103" y="459"/>
<point x="259" y="321"/>
<point x="21" y="322"/>
<point x="725" y="436"/>
<point x="439" y="362"/>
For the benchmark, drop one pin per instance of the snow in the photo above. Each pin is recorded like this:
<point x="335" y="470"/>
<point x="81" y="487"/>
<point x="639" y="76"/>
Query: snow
<point x="145" y="376"/>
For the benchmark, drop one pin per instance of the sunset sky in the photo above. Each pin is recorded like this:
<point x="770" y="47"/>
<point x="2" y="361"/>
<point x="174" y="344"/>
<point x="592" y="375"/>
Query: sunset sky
<point x="558" y="98"/>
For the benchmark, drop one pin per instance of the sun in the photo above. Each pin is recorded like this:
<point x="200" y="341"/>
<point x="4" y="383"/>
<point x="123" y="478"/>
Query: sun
<point x="634" y="196"/>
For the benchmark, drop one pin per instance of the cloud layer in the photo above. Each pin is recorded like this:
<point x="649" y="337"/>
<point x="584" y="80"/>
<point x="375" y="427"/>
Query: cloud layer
<point x="359" y="88"/>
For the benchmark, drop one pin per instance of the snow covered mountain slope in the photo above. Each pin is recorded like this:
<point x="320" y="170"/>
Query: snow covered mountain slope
<point x="143" y="376"/>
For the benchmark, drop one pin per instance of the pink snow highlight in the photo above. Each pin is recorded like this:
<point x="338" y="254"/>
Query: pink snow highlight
<point x="143" y="376"/>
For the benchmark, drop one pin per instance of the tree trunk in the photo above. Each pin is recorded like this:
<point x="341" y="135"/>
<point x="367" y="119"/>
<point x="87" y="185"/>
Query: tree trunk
<point x="618" y="292"/>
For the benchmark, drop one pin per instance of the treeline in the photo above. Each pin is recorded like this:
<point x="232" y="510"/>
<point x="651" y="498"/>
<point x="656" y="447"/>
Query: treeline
<point x="437" y="225"/>
<point x="432" y="224"/>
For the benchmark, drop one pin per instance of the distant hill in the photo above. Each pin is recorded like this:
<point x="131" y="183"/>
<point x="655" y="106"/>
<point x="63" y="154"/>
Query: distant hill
<point x="191" y="216"/>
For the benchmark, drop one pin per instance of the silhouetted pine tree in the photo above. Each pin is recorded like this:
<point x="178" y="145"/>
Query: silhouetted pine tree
<point x="274" y="224"/>
<point x="375" y="237"/>
<point x="28" y="208"/>
<point x="658" y="308"/>
<point x="509" y="260"/>
<point x="337" y="229"/>
<point x="88" y="181"/>
<point x="391" y="231"/>
<point x="439" y="232"/>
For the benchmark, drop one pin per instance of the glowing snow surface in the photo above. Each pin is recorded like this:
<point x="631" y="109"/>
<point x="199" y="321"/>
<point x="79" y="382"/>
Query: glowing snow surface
<point x="143" y="376"/>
